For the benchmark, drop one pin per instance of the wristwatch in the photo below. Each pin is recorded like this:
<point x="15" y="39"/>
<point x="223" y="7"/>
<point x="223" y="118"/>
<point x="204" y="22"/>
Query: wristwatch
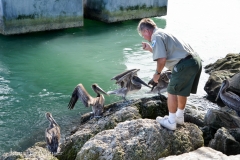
<point x="157" y="72"/>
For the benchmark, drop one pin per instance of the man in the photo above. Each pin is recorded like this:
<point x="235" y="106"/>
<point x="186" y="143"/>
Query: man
<point x="178" y="56"/>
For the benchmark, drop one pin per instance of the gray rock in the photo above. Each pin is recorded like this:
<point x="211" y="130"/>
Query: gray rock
<point x="224" y="142"/>
<point x="123" y="133"/>
<point x="74" y="143"/>
<point x="231" y="61"/>
<point x="217" y="119"/>
<point x="224" y="68"/>
<point x="234" y="83"/>
<point x="36" y="152"/>
<point x="215" y="80"/>
<point x="203" y="153"/>
<point x="194" y="115"/>
<point x="152" y="107"/>
<point x="141" y="139"/>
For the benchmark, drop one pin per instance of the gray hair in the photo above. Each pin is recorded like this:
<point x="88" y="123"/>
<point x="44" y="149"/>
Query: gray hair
<point x="146" y="23"/>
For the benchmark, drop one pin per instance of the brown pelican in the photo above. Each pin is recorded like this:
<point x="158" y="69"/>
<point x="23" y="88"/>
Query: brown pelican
<point x="162" y="84"/>
<point x="52" y="134"/>
<point x="129" y="82"/>
<point x="97" y="103"/>
<point x="229" y="98"/>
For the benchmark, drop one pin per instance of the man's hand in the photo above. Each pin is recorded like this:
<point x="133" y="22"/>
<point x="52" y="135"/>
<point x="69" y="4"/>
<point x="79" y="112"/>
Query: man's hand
<point x="156" y="77"/>
<point x="146" y="46"/>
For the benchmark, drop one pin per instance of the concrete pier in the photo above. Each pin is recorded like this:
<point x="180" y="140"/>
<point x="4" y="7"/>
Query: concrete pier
<point x="120" y="10"/>
<point x="23" y="16"/>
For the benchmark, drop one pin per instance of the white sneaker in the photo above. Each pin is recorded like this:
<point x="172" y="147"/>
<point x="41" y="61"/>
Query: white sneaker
<point x="180" y="120"/>
<point x="165" y="123"/>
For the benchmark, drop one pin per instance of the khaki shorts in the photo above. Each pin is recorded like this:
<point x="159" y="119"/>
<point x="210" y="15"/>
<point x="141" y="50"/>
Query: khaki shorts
<point x="185" y="77"/>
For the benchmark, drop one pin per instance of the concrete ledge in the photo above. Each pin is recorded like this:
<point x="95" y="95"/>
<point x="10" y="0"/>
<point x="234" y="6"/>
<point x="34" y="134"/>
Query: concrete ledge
<point x="114" y="11"/>
<point x="23" y="16"/>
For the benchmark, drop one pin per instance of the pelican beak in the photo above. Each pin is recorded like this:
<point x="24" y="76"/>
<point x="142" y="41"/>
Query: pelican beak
<point x="152" y="83"/>
<point x="98" y="89"/>
<point x="137" y="80"/>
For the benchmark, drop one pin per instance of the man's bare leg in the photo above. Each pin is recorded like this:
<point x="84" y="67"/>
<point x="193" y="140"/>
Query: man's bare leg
<point x="172" y="107"/>
<point x="172" y="103"/>
<point x="180" y="110"/>
<point x="181" y="102"/>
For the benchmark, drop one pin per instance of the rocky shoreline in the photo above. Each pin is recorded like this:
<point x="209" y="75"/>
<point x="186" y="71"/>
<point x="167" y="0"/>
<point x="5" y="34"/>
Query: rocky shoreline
<point x="128" y="130"/>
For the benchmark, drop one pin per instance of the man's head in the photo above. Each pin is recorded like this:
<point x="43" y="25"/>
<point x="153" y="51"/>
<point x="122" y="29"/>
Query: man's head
<point x="145" y="28"/>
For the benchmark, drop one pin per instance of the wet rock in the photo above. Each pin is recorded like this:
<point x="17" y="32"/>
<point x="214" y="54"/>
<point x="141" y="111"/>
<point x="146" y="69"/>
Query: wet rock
<point x="141" y="139"/>
<point x="223" y="141"/>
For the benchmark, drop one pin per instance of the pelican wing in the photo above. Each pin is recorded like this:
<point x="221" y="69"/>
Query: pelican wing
<point x="79" y="93"/>
<point x="165" y="76"/>
<point x="234" y="96"/>
<point x="119" y="76"/>
<point x="124" y="78"/>
<point x="48" y="136"/>
<point x="52" y="136"/>
<point x="229" y="98"/>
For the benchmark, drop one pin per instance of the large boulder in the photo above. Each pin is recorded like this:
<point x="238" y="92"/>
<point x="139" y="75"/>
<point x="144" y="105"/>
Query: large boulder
<point x="113" y="114"/>
<point x="141" y="139"/>
<point x="225" y="142"/>
<point x="224" y="68"/>
<point x="215" y="80"/>
<point x="216" y="119"/>
<point x="231" y="61"/>
<point x="205" y="153"/>
<point x="88" y="130"/>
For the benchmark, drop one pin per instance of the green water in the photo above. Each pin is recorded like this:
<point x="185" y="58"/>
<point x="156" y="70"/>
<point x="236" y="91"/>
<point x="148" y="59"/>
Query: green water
<point x="39" y="71"/>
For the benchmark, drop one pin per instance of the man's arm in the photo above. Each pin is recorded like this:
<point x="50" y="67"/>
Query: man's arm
<point x="160" y="65"/>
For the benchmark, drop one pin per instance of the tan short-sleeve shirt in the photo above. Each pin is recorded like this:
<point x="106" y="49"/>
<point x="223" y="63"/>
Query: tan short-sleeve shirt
<point x="167" y="46"/>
